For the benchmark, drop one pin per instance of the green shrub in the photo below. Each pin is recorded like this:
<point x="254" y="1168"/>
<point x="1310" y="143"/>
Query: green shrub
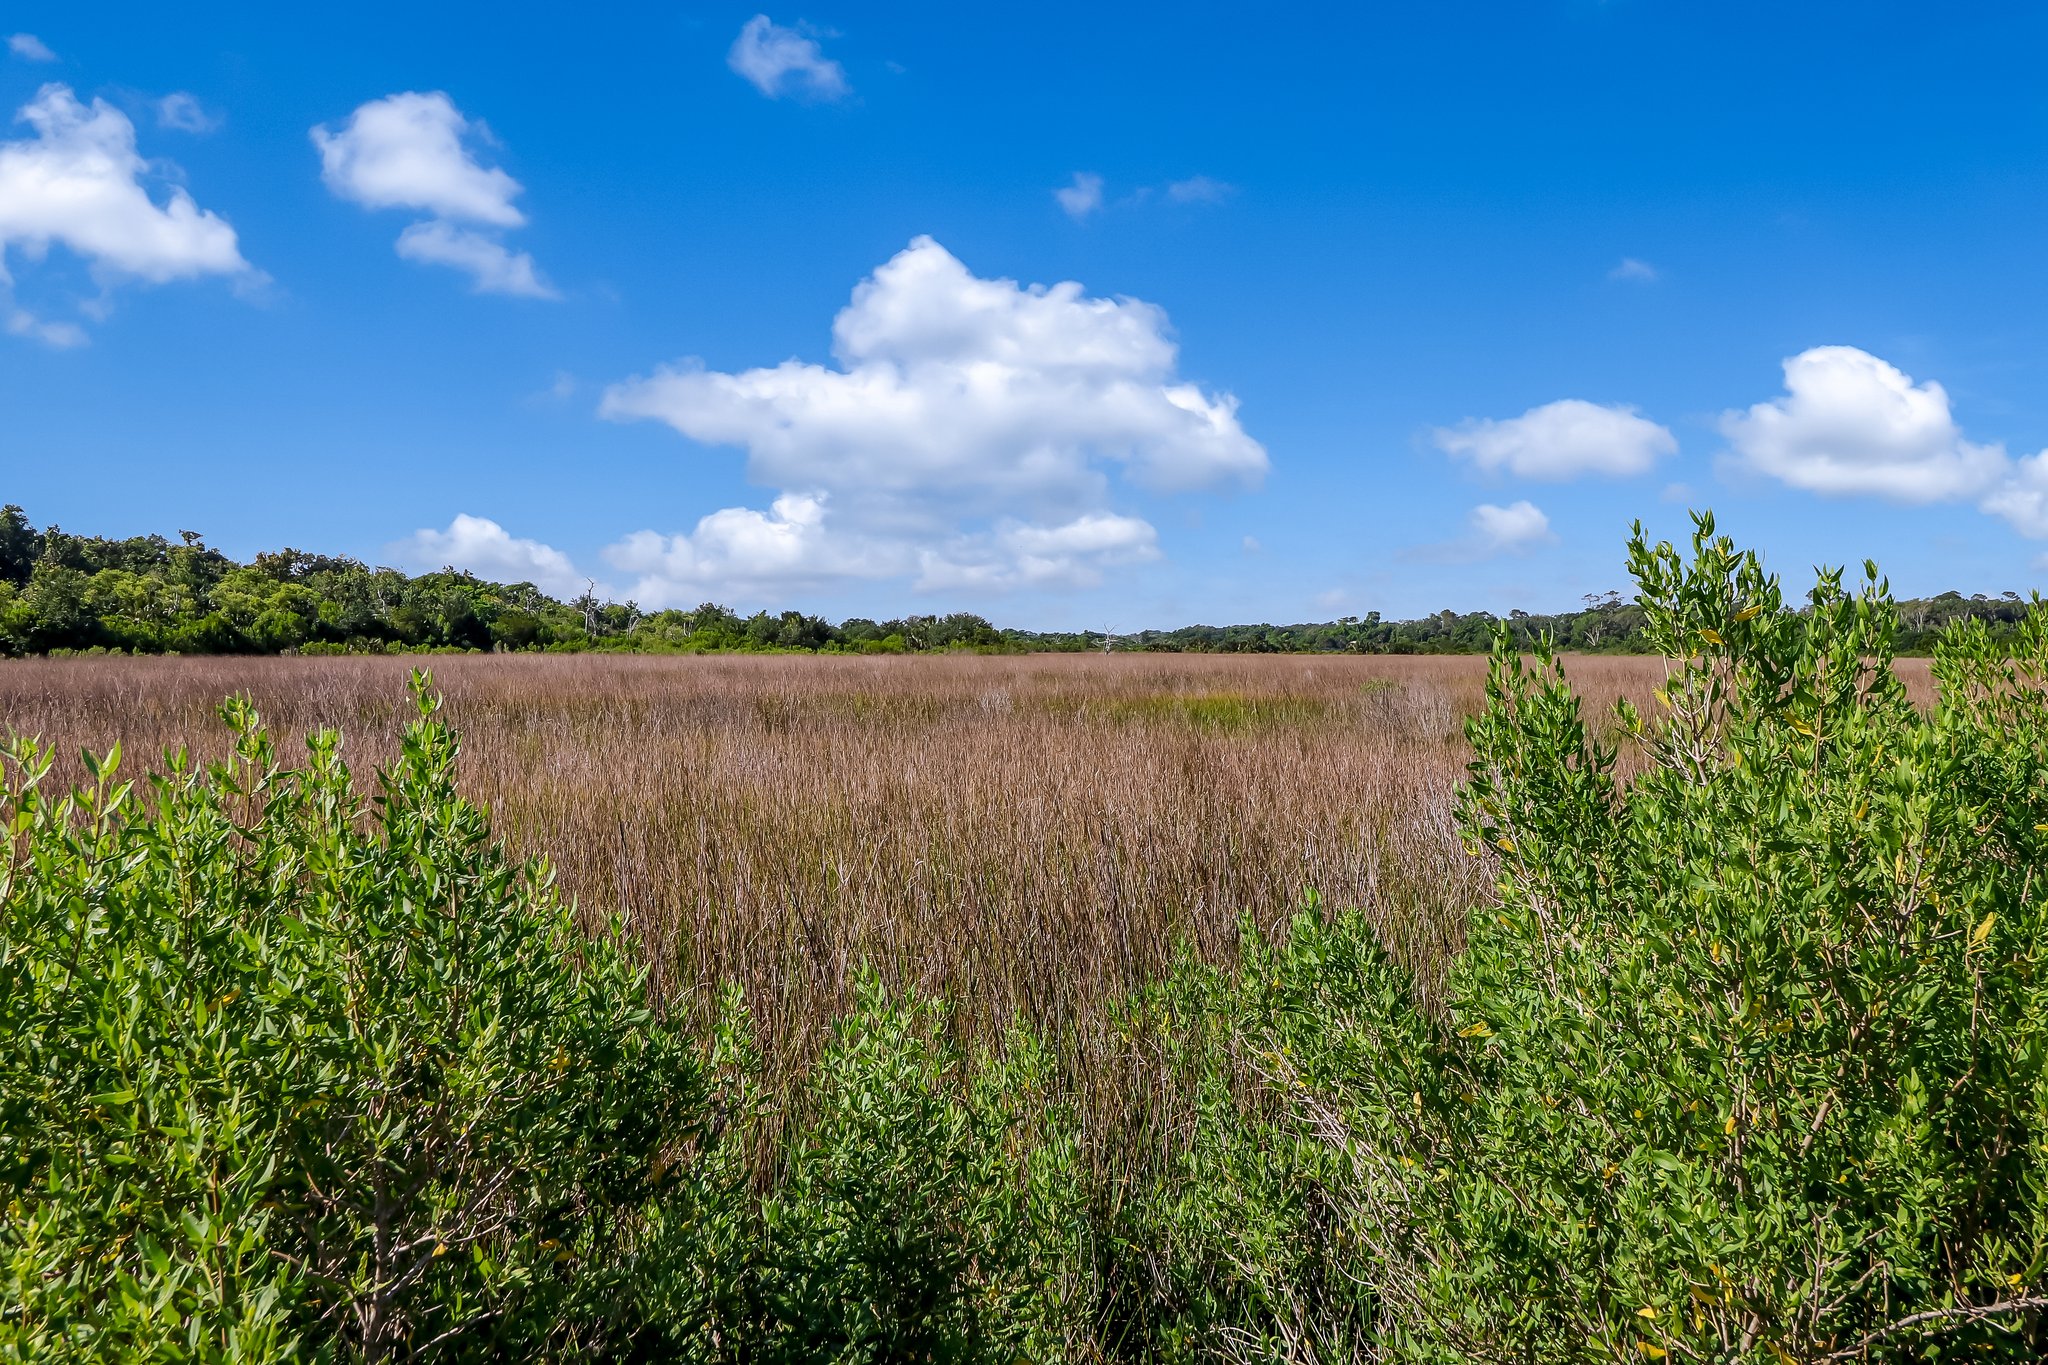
<point x="1747" y="1064"/>
<point x="283" y="1071"/>
<point x="932" y="1210"/>
<point x="1230" y="1238"/>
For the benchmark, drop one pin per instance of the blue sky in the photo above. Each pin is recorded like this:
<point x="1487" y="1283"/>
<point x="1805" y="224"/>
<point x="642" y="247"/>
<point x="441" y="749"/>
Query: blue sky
<point x="1341" y="309"/>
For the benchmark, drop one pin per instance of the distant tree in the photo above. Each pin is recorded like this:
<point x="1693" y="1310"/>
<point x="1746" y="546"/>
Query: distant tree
<point x="20" y="545"/>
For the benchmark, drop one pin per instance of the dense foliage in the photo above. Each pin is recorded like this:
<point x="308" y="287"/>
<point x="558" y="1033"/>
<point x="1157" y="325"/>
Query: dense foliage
<point x="1745" y="1064"/>
<point x="149" y="595"/>
<point x="284" y="1070"/>
<point x="285" y="1073"/>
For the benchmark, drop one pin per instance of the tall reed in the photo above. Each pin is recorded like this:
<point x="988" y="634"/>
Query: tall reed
<point x="1027" y="837"/>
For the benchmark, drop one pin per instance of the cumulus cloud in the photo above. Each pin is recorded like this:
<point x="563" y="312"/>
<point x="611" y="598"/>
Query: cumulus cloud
<point x="183" y="113"/>
<point x="1490" y="532"/>
<point x="417" y="151"/>
<point x="959" y="386"/>
<point x="1561" y="440"/>
<point x="780" y="61"/>
<point x="489" y="551"/>
<point x="1200" y="189"/>
<point x="1082" y="197"/>
<point x="1514" y="529"/>
<point x="967" y="437"/>
<point x="1849" y="423"/>
<point x="1635" y="271"/>
<point x="411" y="151"/>
<point x="494" y="268"/>
<point x="61" y="335"/>
<point x="767" y="555"/>
<point x="741" y="550"/>
<point x="2021" y="497"/>
<point x="1017" y="555"/>
<point x="78" y="182"/>
<point x="30" y="48"/>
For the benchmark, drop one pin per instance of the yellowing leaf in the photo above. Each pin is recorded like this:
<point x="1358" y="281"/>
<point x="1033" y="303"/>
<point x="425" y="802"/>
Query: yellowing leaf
<point x="1507" y="845"/>
<point x="1478" y="1030"/>
<point x="1983" y="930"/>
<point x="1653" y="1352"/>
<point x="1647" y="1312"/>
<point x="1712" y="637"/>
<point x="1749" y="613"/>
<point x="1729" y="1126"/>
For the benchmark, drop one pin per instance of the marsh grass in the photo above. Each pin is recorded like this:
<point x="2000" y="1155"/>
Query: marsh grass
<point x="1026" y="838"/>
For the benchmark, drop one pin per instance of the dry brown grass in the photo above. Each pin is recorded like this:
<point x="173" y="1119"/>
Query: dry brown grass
<point x="1028" y="836"/>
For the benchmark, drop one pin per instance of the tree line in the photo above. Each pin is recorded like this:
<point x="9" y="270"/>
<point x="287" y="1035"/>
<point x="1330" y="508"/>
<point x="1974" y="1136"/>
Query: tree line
<point x="66" y="593"/>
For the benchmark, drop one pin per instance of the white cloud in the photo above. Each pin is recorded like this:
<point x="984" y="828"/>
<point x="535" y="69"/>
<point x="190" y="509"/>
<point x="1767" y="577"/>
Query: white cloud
<point x="767" y="555"/>
<point x="489" y="551"/>
<point x="62" y="335"/>
<point x="409" y="151"/>
<point x="1200" y="189"/>
<point x="782" y="61"/>
<point x="416" y="151"/>
<point x="1635" y="271"/>
<point x="968" y="437"/>
<point x="30" y="48"/>
<point x="494" y="268"/>
<point x="1086" y="196"/>
<point x="967" y="388"/>
<point x="1081" y="198"/>
<point x="1561" y="440"/>
<point x="1017" y="555"/>
<point x="1851" y="424"/>
<point x="2021" y="498"/>
<point x="78" y="183"/>
<point x="754" y="554"/>
<point x="183" y="113"/>
<point x="560" y="390"/>
<point x="1490" y="532"/>
<point x="1515" y="529"/>
<point x="1252" y="545"/>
